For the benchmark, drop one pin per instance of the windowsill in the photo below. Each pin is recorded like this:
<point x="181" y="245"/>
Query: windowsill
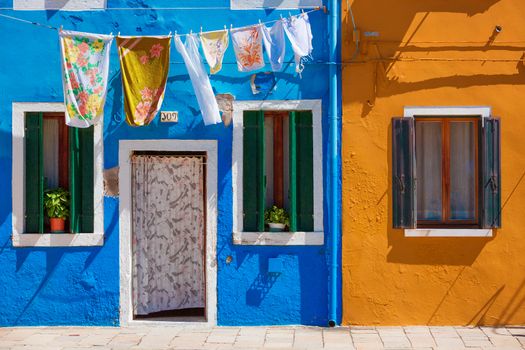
<point x="435" y="232"/>
<point x="278" y="238"/>
<point x="58" y="239"/>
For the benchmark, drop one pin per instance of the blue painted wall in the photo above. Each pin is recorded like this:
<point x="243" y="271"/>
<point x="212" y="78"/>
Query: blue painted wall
<point x="80" y="286"/>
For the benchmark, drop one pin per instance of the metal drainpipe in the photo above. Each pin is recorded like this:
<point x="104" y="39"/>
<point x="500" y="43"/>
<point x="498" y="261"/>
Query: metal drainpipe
<point x="333" y="116"/>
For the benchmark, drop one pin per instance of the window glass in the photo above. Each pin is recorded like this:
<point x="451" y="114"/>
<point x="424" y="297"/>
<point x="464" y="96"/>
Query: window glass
<point x="429" y="170"/>
<point x="462" y="170"/>
<point x="51" y="153"/>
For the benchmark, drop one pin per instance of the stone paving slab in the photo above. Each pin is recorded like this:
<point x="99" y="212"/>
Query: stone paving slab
<point x="260" y="338"/>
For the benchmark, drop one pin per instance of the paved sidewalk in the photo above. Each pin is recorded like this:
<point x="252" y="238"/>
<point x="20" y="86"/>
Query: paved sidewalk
<point x="246" y="338"/>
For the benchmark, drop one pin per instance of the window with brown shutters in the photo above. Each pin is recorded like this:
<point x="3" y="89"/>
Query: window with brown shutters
<point x="446" y="172"/>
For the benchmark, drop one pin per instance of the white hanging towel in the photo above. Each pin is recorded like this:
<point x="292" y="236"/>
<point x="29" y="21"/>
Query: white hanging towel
<point x="199" y="79"/>
<point x="247" y="44"/>
<point x="274" y="44"/>
<point x="299" y="32"/>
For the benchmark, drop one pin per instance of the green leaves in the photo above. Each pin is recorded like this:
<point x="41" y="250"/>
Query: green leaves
<point x="56" y="203"/>
<point x="276" y="215"/>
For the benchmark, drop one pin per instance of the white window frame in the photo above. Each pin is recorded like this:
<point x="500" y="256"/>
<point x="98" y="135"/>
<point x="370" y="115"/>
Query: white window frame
<point x="277" y="238"/>
<point x="126" y="149"/>
<point x="65" y="5"/>
<point x="471" y="111"/>
<point x="274" y="4"/>
<point x="21" y="239"/>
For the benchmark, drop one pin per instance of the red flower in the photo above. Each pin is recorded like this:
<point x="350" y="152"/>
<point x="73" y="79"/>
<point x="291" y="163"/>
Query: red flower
<point x="82" y="109"/>
<point x="82" y="62"/>
<point x="83" y="97"/>
<point x="144" y="59"/>
<point x="156" y="50"/>
<point x="83" y="47"/>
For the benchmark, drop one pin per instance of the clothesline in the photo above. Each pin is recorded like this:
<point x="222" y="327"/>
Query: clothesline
<point x="176" y="34"/>
<point x="201" y="8"/>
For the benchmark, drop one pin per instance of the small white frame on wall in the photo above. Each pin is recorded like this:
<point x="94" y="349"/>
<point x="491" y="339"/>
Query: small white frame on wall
<point x="440" y="111"/>
<point x="21" y="239"/>
<point x="66" y="5"/>
<point x="316" y="237"/>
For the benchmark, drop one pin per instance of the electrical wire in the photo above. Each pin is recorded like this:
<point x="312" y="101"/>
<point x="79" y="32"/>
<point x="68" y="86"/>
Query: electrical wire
<point x="166" y="8"/>
<point x="247" y="26"/>
<point x="356" y="51"/>
<point x="351" y="61"/>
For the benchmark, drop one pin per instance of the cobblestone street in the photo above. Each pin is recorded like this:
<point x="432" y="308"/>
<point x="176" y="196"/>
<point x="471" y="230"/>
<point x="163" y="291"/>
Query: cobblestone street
<point x="247" y="338"/>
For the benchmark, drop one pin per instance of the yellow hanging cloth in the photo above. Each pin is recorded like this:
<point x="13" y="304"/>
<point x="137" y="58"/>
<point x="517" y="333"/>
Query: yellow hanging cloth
<point x="144" y="62"/>
<point x="214" y="45"/>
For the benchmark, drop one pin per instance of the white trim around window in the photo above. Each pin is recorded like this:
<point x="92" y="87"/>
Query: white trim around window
<point x="277" y="238"/>
<point x="439" y="111"/>
<point x="126" y="149"/>
<point x="21" y="239"/>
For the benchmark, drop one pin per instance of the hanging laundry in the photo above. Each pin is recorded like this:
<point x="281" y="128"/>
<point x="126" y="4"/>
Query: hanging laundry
<point x="214" y="45"/>
<point x="144" y="62"/>
<point x="247" y="44"/>
<point x="85" y="65"/>
<point x="199" y="79"/>
<point x="299" y="32"/>
<point x="274" y="44"/>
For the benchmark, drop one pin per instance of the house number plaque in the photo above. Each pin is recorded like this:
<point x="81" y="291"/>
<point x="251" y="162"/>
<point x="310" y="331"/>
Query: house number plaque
<point x="169" y="117"/>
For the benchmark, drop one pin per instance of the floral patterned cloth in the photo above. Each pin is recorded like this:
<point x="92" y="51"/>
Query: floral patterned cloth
<point x="214" y="45"/>
<point x="247" y="44"/>
<point x="144" y="62"/>
<point x="85" y="65"/>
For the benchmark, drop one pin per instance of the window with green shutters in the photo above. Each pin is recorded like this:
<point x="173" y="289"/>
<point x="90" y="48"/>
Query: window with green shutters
<point x="278" y="168"/>
<point x="56" y="155"/>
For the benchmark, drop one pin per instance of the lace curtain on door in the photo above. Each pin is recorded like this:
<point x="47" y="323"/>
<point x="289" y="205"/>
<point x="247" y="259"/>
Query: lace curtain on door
<point x="168" y="233"/>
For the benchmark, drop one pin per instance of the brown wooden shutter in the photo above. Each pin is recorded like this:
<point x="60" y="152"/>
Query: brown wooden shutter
<point x="403" y="173"/>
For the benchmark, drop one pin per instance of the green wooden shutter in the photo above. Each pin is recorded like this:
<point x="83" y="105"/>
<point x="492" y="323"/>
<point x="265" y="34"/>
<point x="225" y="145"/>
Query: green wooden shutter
<point x="304" y="171"/>
<point x="81" y="179"/>
<point x="34" y="173"/>
<point x="254" y="174"/>
<point x="403" y="173"/>
<point x="491" y="173"/>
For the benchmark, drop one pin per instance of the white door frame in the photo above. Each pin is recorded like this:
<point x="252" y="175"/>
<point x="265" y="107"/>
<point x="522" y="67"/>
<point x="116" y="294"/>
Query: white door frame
<point x="126" y="149"/>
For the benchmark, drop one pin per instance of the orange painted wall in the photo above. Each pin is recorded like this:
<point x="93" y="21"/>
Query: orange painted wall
<point x="392" y="280"/>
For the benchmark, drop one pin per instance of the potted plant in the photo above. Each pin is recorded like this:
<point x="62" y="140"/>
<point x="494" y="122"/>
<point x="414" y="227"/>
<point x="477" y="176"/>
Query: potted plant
<point x="276" y="218"/>
<point x="56" y="204"/>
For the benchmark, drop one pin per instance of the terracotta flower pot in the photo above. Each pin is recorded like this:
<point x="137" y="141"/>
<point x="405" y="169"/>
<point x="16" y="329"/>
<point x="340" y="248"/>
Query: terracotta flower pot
<point x="57" y="224"/>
